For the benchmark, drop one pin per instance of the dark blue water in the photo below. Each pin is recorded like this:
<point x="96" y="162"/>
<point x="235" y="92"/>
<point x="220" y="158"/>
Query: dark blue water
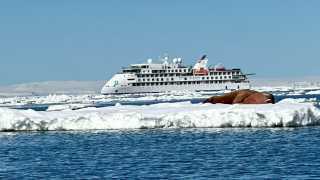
<point x="160" y="154"/>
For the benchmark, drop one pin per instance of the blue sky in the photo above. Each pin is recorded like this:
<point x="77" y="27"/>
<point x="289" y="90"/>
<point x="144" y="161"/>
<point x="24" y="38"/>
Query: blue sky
<point x="90" y="40"/>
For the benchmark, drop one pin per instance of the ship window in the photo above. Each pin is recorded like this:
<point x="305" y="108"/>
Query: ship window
<point x="143" y="79"/>
<point x="172" y="79"/>
<point x="165" y="83"/>
<point x="184" y="70"/>
<point x="180" y="70"/>
<point x="176" y="70"/>
<point x="225" y="77"/>
<point x="161" y="83"/>
<point x="185" y="78"/>
<point x="157" y="79"/>
<point x="207" y="77"/>
<point x="157" y="84"/>
<point x="139" y="80"/>
<point x="161" y="79"/>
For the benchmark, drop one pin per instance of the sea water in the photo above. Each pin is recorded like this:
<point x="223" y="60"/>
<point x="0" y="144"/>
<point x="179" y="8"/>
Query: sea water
<point x="160" y="154"/>
<point x="163" y="153"/>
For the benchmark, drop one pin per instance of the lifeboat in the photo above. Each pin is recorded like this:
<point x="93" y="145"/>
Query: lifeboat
<point x="200" y="72"/>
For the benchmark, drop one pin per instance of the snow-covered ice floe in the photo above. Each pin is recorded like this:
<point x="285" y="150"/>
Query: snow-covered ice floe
<point x="54" y="99"/>
<point x="94" y="98"/>
<point x="313" y="92"/>
<point x="165" y="115"/>
<point x="61" y="107"/>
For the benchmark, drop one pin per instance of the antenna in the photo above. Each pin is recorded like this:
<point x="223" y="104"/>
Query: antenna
<point x="203" y="57"/>
<point x="166" y="57"/>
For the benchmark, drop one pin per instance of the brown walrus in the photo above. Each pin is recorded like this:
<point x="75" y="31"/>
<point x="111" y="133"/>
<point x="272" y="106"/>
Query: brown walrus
<point x="245" y="96"/>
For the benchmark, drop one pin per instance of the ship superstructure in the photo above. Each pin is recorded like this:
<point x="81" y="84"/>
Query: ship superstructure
<point x="174" y="76"/>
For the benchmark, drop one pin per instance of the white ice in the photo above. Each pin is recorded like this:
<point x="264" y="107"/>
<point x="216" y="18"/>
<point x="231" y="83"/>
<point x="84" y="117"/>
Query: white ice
<point x="164" y="115"/>
<point x="313" y="92"/>
<point x="54" y="99"/>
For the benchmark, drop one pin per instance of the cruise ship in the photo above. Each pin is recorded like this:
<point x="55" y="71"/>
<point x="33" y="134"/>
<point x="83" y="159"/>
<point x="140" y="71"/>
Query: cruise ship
<point x="172" y="75"/>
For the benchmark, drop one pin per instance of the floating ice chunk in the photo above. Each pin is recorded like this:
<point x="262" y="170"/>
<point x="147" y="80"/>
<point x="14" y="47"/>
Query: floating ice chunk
<point x="165" y="115"/>
<point x="67" y="107"/>
<point x="313" y="92"/>
<point x="117" y="104"/>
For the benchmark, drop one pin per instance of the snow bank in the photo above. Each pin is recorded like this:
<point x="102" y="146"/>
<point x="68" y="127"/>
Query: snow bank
<point x="165" y="115"/>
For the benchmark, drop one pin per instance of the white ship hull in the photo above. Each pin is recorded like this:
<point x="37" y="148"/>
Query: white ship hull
<point x="174" y="88"/>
